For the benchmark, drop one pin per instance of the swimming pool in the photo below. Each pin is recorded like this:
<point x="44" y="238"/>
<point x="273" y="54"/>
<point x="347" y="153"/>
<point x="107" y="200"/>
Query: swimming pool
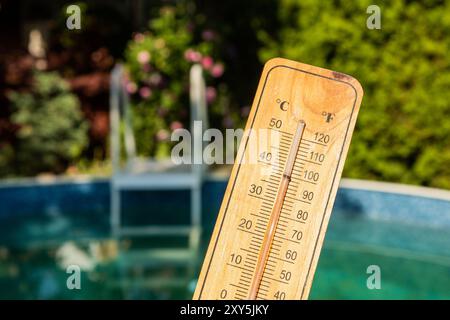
<point x="402" y="230"/>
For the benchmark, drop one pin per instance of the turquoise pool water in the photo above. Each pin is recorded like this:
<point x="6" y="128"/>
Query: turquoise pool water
<point x="406" y="236"/>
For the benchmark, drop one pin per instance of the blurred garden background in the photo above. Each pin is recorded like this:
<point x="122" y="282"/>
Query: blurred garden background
<point x="57" y="176"/>
<point x="54" y="85"/>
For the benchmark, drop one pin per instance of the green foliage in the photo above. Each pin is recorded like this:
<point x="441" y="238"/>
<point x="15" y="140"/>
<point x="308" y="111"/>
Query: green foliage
<point x="51" y="130"/>
<point x="158" y="62"/>
<point x="403" y="130"/>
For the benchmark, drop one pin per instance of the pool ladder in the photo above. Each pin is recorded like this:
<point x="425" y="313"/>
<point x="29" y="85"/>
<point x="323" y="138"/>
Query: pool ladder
<point x="147" y="174"/>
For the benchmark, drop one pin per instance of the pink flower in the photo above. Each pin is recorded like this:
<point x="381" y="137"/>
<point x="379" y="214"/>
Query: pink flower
<point x="162" y="135"/>
<point x="217" y="70"/>
<point x="245" y="111"/>
<point x="145" y="92"/>
<point x="146" y="67"/>
<point x="143" y="57"/>
<point x="162" y="111"/>
<point x="207" y="62"/>
<point x="155" y="79"/>
<point x="188" y="55"/>
<point x="211" y="94"/>
<point x="228" y="122"/>
<point x="208" y="35"/>
<point x="176" y="125"/>
<point x="131" y="87"/>
<point x="139" y="37"/>
<point x="192" y="55"/>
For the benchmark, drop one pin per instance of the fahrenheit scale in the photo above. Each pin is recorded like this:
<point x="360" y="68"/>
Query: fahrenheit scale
<point x="273" y="218"/>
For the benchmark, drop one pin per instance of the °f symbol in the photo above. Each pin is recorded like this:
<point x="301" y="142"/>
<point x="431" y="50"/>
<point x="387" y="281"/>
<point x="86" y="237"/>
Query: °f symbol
<point x="328" y="116"/>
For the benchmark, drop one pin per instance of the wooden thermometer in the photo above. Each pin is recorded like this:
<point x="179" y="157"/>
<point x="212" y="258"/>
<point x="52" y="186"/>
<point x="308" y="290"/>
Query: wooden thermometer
<point x="276" y="208"/>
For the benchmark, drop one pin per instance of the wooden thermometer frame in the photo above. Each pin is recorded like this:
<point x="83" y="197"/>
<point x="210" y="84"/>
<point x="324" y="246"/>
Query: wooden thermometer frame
<point x="272" y="222"/>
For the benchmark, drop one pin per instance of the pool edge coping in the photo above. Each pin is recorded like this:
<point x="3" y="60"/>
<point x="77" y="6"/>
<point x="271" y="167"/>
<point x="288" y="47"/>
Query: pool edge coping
<point x="396" y="188"/>
<point x="345" y="183"/>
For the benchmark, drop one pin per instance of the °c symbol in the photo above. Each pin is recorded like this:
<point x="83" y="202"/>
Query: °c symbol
<point x="283" y="104"/>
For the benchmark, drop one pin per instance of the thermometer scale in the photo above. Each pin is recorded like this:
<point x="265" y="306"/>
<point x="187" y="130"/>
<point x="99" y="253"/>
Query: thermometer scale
<point x="272" y="222"/>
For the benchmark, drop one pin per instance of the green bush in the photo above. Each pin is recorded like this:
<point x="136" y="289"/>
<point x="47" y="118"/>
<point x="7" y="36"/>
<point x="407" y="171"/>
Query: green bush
<point x="51" y="129"/>
<point x="158" y="62"/>
<point x="403" y="130"/>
